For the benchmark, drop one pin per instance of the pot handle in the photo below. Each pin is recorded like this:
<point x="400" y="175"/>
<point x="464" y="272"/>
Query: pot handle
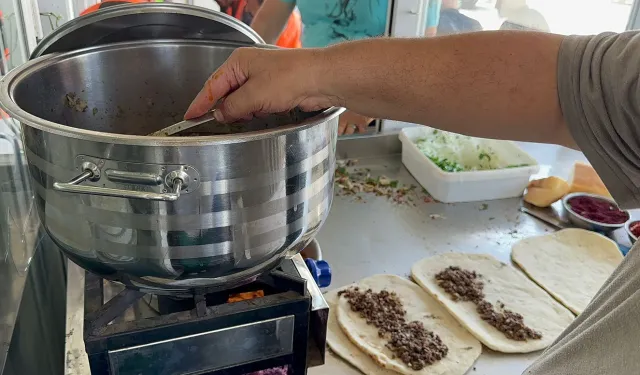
<point x="91" y="172"/>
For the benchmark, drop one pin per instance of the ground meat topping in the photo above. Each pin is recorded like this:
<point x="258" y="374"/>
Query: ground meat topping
<point x="411" y="342"/>
<point x="461" y="284"/>
<point x="465" y="285"/>
<point x="511" y="324"/>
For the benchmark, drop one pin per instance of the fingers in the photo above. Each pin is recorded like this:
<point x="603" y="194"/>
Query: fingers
<point x="342" y="125"/>
<point x="362" y="127"/>
<point x="254" y="82"/>
<point x="351" y="123"/>
<point x="223" y="81"/>
<point x="351" y="129"/>
<point x="245" y="103"/>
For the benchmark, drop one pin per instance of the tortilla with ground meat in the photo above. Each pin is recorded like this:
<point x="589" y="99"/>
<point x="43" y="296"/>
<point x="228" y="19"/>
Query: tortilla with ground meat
<point x="571" y="264"/>
<point x="463" y="348"/>
<point x="503" y="285"/>
<point x="340" y="344"/>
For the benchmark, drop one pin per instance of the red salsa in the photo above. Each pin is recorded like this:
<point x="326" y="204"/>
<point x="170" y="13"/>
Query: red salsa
<point x="597" y="209"/>
<point x="635" y="228"/>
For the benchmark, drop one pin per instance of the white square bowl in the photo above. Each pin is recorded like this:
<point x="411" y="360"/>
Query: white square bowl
<point x="451" y="187"/>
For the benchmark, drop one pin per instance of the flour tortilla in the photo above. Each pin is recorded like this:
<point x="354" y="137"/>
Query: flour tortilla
<point x="571" y="264"/>
<point x="464" y="349"/>
<point x="340" y="344"/>
<point x="501" y="283"/>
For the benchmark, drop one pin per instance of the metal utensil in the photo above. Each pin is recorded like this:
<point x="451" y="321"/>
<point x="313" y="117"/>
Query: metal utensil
<point x="184" y="125"/>
<point x="548" y="215"/>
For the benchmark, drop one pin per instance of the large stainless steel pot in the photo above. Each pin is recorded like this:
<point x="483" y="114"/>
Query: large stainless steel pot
<point x="164" y="213"/>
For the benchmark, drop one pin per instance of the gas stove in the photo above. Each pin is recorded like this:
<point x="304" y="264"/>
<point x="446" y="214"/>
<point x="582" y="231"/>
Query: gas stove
<point x="130" y="332"/>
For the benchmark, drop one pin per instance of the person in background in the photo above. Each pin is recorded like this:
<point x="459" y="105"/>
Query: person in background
<point x="454" y="22"/>
<point x="327" y="22"/>
<point x="520" y="17"/>
<point x="245" y="11"/>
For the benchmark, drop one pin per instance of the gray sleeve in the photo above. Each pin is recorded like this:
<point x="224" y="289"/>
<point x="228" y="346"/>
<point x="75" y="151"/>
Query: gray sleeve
<point x="599" y="93"/>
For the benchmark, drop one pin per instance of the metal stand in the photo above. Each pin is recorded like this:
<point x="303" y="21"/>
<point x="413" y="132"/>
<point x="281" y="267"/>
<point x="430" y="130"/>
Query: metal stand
<point x="203" y="334"/>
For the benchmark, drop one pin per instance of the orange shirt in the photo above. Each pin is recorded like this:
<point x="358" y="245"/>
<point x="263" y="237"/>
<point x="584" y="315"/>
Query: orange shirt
<point x="292" y="33"/>
<point x="290" y="36"/>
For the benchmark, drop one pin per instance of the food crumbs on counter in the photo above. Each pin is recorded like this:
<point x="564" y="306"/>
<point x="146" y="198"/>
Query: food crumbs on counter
<point x="360" y="181"/>
<point x="465" y="285"/>
<point x="436" y="217"/>
<point x="411" y="342"/>
<point x="483" y="207"/>
<point x="75" y="103"/>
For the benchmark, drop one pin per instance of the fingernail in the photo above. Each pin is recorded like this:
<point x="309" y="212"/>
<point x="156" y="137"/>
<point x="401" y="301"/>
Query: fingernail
<point x="188" y="114"/>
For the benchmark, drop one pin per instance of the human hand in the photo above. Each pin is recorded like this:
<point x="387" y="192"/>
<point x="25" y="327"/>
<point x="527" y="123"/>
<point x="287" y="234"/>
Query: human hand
<point x="256" y="82"/>
<point x="350" y="122"/>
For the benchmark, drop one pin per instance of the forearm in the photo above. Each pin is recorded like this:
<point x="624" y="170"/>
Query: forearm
<point x="271" y="19"/>
<point x="493" y="84"/>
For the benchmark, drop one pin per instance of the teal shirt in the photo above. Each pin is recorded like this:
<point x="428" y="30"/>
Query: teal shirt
<point x="328" y="22"/>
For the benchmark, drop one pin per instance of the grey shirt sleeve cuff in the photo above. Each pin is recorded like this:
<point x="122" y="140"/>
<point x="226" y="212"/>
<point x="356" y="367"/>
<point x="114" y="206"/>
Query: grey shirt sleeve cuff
<point x="599" y="93"/>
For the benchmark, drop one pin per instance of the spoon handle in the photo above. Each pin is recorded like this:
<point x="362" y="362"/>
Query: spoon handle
<point x="184" y="125"/>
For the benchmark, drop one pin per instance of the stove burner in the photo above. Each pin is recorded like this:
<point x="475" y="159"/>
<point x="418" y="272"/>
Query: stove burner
<point x="205" y="334"/>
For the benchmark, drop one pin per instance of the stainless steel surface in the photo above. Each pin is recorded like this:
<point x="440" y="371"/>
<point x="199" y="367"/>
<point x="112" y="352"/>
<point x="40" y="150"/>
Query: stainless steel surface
<point x="174" y="180"/>
<point x="363" y="239"/>
<point x="584" y="223"/>
<point x="184" y="125"/>
<point x="319" y="314"/>
<point x="548" y="214"/>
<point x="251" y="199"/>
<point x="142" y="22"/>
<point x="133" y="177"/>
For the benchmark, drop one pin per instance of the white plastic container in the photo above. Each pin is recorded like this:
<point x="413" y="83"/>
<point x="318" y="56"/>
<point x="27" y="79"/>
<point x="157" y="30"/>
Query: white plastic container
<point x="450" y="187"/>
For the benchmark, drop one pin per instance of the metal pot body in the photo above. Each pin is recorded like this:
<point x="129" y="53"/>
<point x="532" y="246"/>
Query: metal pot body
<point x="164" y="214"/>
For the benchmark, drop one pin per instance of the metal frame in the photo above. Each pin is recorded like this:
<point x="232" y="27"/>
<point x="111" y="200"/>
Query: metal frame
<point x="32" y="27"/>
<point x="634" y="16"/>
<point x="101" y="337"/>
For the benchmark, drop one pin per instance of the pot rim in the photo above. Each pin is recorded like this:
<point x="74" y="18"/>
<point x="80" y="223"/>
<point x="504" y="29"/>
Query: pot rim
<point x="122" y="10"/>
<point x="15" y="76"/>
